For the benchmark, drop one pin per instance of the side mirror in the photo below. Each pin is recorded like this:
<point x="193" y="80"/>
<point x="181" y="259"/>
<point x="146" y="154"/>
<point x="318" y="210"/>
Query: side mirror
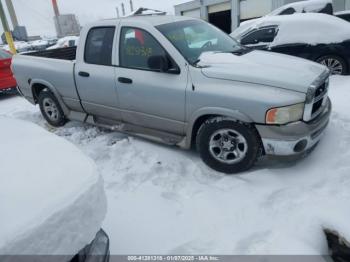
<point x="158" y="63"/>
<point x="163" y="64"/>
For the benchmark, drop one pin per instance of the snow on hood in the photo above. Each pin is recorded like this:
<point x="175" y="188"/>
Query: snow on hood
<point x="263" y="68"/>
<point x="52" y="199"/>
<point x="316" y="29"/>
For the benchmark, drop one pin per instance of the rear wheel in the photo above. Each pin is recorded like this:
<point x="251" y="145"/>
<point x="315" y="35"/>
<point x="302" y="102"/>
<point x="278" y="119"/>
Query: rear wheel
<point x="51" y="109"/>
<point x="227" y="146"/>
<point x="335" y="64"/>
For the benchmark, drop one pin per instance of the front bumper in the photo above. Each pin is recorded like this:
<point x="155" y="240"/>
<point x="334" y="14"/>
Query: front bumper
<point x="295" y="138"/>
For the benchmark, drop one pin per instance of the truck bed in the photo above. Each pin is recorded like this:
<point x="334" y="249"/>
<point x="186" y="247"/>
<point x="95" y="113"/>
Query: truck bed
<point x="54" y="68"/>
<point x="68" y="53"/>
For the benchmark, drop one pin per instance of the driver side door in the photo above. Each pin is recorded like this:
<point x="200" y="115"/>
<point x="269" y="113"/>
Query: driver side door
<point x="149" y="97"/>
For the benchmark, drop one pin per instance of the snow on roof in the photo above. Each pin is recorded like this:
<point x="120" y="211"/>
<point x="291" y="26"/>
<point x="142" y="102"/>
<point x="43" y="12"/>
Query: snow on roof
<point x="52" y="200"/>
<point x="303" y="6"/>
<point x="316" y="28"/>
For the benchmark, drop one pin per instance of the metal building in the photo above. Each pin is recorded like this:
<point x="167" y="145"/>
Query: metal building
<point x="227" y="14"/>
<point x="67" y="25"/>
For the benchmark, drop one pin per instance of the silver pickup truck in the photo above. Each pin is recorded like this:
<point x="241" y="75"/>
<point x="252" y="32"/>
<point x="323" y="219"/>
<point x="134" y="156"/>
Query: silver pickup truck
<point x="183" y="82"/>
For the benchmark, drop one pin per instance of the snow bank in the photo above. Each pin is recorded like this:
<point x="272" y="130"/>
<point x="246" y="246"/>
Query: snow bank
<point x="316" y="29"/>
<point x="52" y="200"/>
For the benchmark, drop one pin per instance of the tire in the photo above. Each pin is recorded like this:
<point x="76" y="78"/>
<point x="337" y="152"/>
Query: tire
<point x="238" y="154"/>
<point x="51" y="109"/>
<point x="336" y="64"/>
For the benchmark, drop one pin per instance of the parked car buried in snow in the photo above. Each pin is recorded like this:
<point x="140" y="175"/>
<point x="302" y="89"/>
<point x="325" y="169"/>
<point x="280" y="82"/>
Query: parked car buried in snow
<point x="148" y="76"/>
<point x="318" y="37"/>
<point x="7" y="81"/>
<point x="51" y="203"/>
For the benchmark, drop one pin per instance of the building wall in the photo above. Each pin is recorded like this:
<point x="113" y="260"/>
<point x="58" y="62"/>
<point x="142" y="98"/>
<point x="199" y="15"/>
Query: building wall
<point x="67" y="25"/>
<point x="241" y="9"/>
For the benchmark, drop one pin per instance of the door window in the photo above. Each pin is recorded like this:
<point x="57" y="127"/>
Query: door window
<point x="99" y="46"/>
<point x="288" y="11"/>
<point x="138" y="49"/>
<point x="266" y="35"/>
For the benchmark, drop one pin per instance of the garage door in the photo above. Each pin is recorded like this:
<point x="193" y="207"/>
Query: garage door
<point x="255" y="8"/>
<point x="219" y="7"/>
<point x="195" y="13"/>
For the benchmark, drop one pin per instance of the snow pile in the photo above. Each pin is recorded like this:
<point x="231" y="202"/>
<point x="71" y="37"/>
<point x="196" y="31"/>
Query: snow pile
<point x="65" y="42"/>
<point x="309" y="6"/>
<point x="52" y="200"/>
<point x="164" y="200"/>
<point x="317" y="29"/>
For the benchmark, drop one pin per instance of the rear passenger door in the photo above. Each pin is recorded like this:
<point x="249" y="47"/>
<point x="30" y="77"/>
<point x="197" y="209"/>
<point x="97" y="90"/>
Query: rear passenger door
<point x="95" y="74"/>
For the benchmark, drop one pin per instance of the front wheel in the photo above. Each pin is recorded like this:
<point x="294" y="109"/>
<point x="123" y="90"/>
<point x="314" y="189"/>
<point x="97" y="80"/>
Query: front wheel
<point x="227" y="146"/>
<point x="335" y="64"/>
<point x="51" y="109"/>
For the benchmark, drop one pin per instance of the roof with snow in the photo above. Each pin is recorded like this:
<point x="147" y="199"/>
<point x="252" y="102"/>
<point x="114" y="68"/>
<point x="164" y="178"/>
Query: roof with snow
<point x="316" y="28"/>
<point x="308" y="6"/>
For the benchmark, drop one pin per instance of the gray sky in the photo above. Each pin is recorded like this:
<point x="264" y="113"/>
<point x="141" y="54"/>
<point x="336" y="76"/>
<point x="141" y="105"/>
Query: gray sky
<point x="37" y="15"/>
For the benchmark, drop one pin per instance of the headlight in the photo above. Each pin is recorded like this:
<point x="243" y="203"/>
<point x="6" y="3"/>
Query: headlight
<point x="285" y="115"/>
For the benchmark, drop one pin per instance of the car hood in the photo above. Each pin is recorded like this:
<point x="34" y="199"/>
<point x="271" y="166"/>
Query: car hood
<point x="264" y="68"/>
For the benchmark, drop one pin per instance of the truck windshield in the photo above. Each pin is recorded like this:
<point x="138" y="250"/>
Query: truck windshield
<point x="194" y="37"/>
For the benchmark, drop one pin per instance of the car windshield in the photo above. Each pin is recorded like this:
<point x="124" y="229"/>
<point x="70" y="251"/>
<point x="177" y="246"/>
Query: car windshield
<point x="194" y="37"/>
<point x="4" y="54"/>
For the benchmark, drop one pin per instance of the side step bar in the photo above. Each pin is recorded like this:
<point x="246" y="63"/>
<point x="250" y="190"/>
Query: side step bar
<point x="151" y="134"/>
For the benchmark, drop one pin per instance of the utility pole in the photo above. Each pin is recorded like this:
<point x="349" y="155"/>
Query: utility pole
<point x="12" y="13"/>
<point x="6" y="27"/>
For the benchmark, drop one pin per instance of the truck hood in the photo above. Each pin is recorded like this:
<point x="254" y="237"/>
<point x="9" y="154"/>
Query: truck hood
<point x="264" y="68"/>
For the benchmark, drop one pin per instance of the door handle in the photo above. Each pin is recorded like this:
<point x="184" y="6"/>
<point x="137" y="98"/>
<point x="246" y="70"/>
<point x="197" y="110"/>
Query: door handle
<point x="84" y="74"/>
<point x="125" y="80"/>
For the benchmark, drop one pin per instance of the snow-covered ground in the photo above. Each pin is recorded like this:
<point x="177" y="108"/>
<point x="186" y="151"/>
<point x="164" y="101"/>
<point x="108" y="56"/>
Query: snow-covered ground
<point x="164" y="200"/>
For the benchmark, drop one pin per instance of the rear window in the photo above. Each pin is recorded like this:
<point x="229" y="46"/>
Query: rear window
<point x="4" y="54"/>
<point x="99" y="46"/>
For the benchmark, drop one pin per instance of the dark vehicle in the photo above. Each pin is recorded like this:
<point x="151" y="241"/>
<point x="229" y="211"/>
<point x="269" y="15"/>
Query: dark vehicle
<point x="318" y="37"/>
<point x="345" y="15"/>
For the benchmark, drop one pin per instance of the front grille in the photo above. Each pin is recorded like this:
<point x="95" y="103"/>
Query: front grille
<point x="318" y="98"/>
<point x="316" y="107"/>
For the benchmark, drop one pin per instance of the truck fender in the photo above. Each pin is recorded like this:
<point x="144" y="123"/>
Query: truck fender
<point x="49" y="86"/>
<point x="234" y="115"/>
